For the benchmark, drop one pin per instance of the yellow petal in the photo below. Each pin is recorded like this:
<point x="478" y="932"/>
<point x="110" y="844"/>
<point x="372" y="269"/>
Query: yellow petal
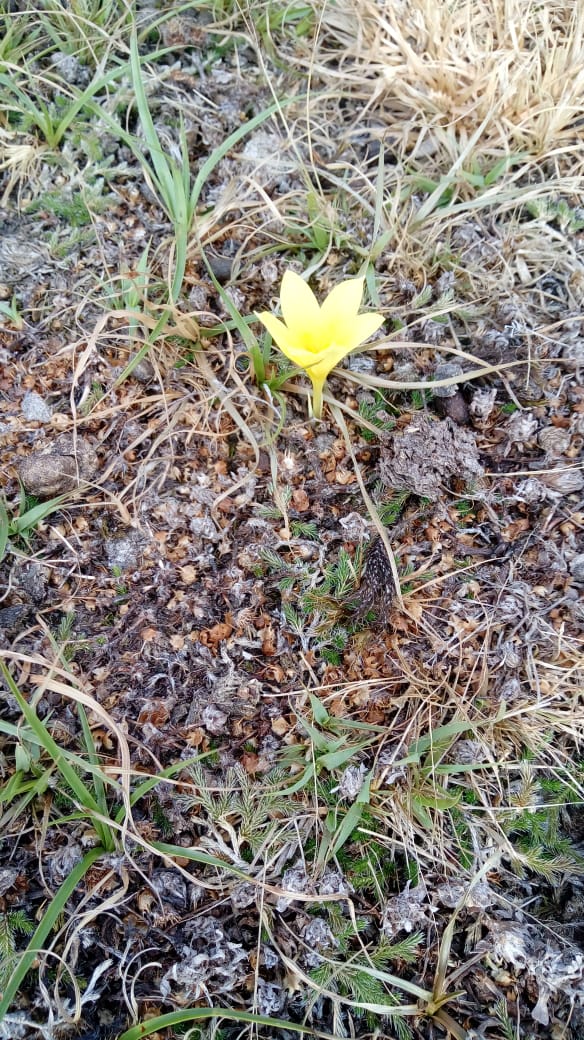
<point x="319" y="366"/>
<point x="360" y="329"/>
<point x="340" y="322"/>
<point x="281" y="335"/>
<point x="343" y="302"/>
<point x="300" y="310"/>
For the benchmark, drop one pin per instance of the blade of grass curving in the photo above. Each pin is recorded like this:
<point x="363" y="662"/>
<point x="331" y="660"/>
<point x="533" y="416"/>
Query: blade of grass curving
<point x="49" y="920"/>
<point x="76" y="761"/>
<point x="205" y="858"/>
<point x="163" y="172"/>
<point x="98" y="779"/>
<point x="19" y="793"/>
<point x="352" y="816"/>
<point x="202" y="1014"/>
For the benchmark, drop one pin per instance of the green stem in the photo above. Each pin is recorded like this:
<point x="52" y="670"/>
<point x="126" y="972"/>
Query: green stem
<point x="317" y="388"/>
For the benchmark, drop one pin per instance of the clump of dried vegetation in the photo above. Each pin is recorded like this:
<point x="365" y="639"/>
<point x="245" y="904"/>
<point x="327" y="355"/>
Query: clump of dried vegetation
<point x="292" y="710"/>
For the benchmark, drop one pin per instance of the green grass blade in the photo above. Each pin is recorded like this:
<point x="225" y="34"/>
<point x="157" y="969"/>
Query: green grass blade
<point x="220" y="152"/>
<point x="166" y="181"/>
<point x="94" y="759"/>
<point x="200" y="857"/>
<point x="202" y="1014"/>
<point x="76" y="761"/>
<point x="165" y="774"/>
<point x="35" y="514"/>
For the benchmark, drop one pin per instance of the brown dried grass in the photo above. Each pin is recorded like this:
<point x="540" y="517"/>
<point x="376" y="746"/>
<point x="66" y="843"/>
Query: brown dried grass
<point x="510" y="73"/>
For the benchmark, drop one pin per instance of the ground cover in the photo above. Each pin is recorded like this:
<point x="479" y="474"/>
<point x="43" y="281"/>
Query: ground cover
<point x="292" y="705"/>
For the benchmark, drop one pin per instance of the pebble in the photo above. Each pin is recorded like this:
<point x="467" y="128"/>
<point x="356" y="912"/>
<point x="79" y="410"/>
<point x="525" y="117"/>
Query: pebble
<point x="35" y="409"/>
<point x="447" y="370"/>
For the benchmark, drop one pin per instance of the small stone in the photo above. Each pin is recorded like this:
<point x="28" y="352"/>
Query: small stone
<point x="405" y="372"/>
<point x="31" y="578"/>
<point x="35" y="409"/>
<point x="361" y="363"/>
<point x="221" y="266"/>
<point x="71" y="69"/>
<point x="12" y="619"/>
<point x="454" y="407"/>
<point x="143" y="371"/>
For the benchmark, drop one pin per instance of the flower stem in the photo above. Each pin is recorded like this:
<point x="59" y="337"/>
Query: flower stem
<point x="317" y="385"/>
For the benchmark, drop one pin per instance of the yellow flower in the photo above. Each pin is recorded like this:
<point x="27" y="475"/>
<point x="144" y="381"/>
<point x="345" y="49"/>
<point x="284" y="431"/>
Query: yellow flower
<point x="317" y="337"/>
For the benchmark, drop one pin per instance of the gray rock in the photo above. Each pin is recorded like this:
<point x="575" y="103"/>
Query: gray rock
<point x="447" y="370"/>
<point x="35" y="409"/>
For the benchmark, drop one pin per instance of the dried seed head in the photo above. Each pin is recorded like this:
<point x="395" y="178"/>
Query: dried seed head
<point x="376" y="590"/>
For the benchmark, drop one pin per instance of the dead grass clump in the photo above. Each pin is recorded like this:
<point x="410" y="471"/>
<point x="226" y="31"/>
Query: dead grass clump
<point x="511" y="74"/>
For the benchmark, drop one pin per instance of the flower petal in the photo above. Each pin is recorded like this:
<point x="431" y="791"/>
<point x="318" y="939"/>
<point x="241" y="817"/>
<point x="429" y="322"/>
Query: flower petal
<point x="360" y="329"/>
<point x="340" y="322"/>
<point x="343" y="302"/>
<point x="300" y="310"/>
<point x="319" y="366"/>
<point x="281" y="336"/>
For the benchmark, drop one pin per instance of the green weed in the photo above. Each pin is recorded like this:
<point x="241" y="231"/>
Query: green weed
<point x="12" y="924"/>
<point x="16" y="530"/>
<point x="10" y="313"/>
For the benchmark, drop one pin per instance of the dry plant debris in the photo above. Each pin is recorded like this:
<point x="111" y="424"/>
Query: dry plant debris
<point x="248" y="785"/>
